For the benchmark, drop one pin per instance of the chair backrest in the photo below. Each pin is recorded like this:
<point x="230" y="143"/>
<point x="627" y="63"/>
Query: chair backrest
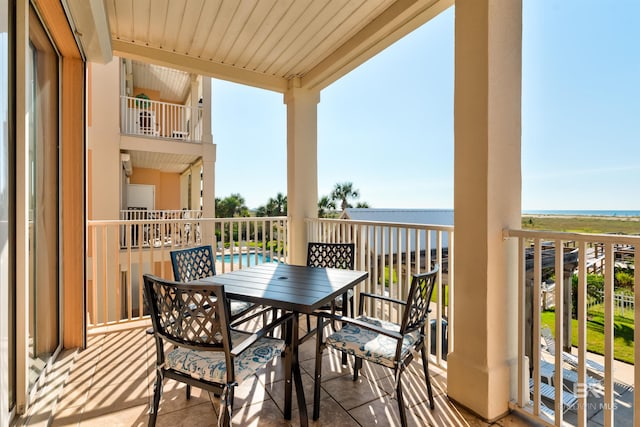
<point x="417" y="309"/>
<point x="189" y="315"/>
<point x="193" y="263"/>
<point x="331" y="255"/>
<point x="549" y="340"/>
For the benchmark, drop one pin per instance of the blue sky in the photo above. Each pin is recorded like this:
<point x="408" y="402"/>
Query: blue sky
<point x="388" y="126"/>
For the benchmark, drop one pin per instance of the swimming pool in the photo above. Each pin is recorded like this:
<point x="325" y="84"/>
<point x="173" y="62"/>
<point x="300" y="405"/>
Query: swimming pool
<point x="247" y="259"/>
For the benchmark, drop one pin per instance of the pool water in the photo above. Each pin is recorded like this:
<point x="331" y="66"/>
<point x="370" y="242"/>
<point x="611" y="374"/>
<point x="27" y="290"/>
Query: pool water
<point x="245" y="262"/>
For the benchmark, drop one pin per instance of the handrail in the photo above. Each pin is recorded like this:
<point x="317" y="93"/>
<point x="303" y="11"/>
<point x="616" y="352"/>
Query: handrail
<point x="157" y="119"/>
<point x="121" y="251"/>
<point x="532" y="272"/>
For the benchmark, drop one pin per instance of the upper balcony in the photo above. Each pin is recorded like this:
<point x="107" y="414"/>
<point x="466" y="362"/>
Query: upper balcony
<point x="154" y="119"/>
<point x="161" y="103"/>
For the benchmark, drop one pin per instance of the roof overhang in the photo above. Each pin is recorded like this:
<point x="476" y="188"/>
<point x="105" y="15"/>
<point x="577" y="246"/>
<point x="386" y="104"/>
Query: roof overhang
<point x="263" y="44"/>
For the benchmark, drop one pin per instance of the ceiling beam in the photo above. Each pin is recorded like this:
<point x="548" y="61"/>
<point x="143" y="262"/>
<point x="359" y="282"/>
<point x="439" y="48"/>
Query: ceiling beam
<point x="401" y="18"/>
<point x="198" y="66"/>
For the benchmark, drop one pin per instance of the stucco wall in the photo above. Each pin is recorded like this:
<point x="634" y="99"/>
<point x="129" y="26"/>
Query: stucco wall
<point x="167" y="186"/>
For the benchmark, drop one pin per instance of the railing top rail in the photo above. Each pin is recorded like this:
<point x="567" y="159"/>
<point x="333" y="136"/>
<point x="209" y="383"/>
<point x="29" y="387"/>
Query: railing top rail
<point x="151" y="101"/>
<point x="578" y="237"/>
<point x="93" y="222"/>
<point x="435" y="227"/>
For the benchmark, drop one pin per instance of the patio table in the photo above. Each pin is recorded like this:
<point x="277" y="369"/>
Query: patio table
<point x="294" y="288"/>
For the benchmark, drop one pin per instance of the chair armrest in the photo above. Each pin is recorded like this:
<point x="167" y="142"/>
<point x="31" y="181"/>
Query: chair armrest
<point x="380" y="297"/>
<point x="251" y="339"/>
<point x="361" y="324"/>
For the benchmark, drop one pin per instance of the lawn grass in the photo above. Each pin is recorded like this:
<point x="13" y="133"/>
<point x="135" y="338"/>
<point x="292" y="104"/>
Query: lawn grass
<point x="623" y="334"/>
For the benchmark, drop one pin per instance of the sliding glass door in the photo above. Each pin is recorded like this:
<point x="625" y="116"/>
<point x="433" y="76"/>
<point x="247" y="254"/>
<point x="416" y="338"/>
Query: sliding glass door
<point x="43" y="161"/>
<point x="7" y="284"/>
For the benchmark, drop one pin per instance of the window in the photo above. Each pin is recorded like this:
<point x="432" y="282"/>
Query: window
<point x="7" y="284"/>
<point x="43" y="106"/>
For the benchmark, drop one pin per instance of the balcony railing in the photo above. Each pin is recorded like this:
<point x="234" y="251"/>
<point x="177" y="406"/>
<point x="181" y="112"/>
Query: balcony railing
<point x="391" y="252"/>
<point x="549" y="256"/>
<point x="156" y="119"/>
<point x="120" y="252"/>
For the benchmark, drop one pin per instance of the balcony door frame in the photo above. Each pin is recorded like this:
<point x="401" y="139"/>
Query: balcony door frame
<point x="71" y="203"/>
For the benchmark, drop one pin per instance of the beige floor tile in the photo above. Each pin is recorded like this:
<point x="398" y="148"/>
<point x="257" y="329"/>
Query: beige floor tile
<point x="74" y="395"/>
<point x="351" y="394"/>
<point x="331" y="414"/>
<point x="248" y="392"/>
<point x="331" y="366"/>
<point x="120" y="370"/>
<point x="174" y="397"/>
<point x="118" y="396"/>
<point x="263" y="414"/>
<point x="67" y="417"/>
<point x="413" y="386"/>
<point x="198" y="415"/>
<point x="135" y="416"/>
<point x="383" y="412"/>
<point x="277" y="392"/>
<point x="445" y="414"/>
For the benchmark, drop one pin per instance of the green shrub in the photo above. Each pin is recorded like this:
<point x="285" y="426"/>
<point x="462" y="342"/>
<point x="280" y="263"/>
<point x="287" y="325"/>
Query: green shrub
<point x="595" y="285"/>
<point x="624" y="279"/>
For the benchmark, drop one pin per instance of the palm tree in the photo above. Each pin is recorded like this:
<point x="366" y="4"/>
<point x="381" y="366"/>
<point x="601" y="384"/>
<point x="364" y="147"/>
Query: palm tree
<point x="343" y="192"/>
<point x="275" y="206"/>
<point x="231" y="206"/>
<point x="325" y="204"/>
<point x="280" y="203"/>
<point x="362" y="205"/>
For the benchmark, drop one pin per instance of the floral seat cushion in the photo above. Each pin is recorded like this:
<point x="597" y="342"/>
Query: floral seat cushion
<point x="211" y="366"/>
<point x="370" y="345"/>
<point x="238" y="307"/>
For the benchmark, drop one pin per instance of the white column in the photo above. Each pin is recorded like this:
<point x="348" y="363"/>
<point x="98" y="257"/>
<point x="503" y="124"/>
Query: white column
<point x="208" y="185"/>
<point x="302" y="166"/>
<point x="206" y="109"/>
<point x="487" y="200"/>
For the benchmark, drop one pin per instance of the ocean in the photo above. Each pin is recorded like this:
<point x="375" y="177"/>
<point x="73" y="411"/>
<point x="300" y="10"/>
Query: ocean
<point x="619" y="213"/>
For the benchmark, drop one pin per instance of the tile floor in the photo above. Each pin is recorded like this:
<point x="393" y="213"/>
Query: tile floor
<point x="111" y="383"/>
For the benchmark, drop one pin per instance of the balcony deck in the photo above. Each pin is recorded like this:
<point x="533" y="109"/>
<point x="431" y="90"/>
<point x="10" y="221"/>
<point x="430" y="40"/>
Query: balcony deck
<point x="111" y="383"/>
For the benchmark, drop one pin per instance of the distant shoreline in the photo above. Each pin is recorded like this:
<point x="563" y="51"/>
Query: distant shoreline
<point x="600" y="213"/>
<point x="578" y="216"/>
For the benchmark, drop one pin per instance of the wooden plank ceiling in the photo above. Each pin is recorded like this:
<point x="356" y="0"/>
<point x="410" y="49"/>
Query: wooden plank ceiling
<point x="263" y="43"/>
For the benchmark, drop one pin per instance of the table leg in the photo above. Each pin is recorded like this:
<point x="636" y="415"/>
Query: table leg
<point x="288" y="359"/>
<point x="318" y="371"/>
<point x="302" y="404"/>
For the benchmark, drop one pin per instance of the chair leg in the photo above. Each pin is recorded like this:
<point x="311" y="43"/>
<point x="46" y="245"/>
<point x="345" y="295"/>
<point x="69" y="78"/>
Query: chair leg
<point x="357" y="365"/>
<point x="425" y="366"/>
<point x="157" y="392"/>
<point x="188" y="391"/>
<point x="343" y="312"/>
<point x="403" y="414"/>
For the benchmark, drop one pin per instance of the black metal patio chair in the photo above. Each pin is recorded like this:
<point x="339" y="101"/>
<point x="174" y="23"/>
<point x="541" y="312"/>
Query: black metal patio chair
<point x="333" y="255"/>
<point x="380" y="341"/>
<point x="206" y="352"/>
<point x="197" y="263"/>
